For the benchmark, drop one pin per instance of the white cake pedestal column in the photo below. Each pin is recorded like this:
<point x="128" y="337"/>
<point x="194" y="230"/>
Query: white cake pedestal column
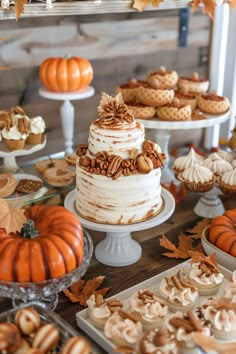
<point x="67" y="111"/>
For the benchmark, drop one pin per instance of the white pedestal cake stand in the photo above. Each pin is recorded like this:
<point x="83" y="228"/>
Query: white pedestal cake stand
<point x="67" y="111"/>
<point x="162" y="135"/>
<point x="118" y="248"/>
<point x="9" y="157"/>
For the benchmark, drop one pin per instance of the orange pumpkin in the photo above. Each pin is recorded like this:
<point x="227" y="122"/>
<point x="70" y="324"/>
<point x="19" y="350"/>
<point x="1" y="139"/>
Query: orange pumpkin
<point x="222" y="232"/>
<point x="66" y="74"/>
<point x="56" y="250"/>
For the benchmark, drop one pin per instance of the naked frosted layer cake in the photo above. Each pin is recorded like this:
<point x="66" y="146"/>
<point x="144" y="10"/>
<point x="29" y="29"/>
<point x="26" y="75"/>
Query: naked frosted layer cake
<point x="118" y="174"/>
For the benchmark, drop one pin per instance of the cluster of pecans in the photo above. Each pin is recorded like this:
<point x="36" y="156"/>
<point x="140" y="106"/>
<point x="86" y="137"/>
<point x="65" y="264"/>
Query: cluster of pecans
<point x="114" y="304"/>
<point x="114" y="166"/>
<point x="147" y="296"/>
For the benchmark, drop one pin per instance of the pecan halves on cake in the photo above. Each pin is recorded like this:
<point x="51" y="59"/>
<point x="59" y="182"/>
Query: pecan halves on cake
<point x="82" y="149"/>
<point x="9" y="123"/>
<point x="18" y="110"/>
<point x="23" y="125"/>
<point x="114" y="166"/>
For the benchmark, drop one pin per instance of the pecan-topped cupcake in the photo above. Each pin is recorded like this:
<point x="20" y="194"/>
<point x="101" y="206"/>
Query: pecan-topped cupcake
<point x="123" y="329"/>
<point x="212" y="103"/>
<point x="150" y="310"/>
<point x="154" y="95"/>
<point x="184" y="326"/>
<point x="159" y="341"/>
<point x="220" y="312"/>
<point x="180" y="294"/>
<point x="99" y="310"/>
<point x="129" y="89"/>
<point x="166" y="78"/>
<point x="193" y="84"/>
<point x="230" y="288"/>
<point x="15" y="132"/>
<point x="175" y="111"/>
<point x="204" y="273"/>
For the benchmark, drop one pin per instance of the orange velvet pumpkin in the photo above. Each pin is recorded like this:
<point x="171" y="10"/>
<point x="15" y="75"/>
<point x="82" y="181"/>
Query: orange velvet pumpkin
<point x="222" y="232"/>
<point x="57" y="248"/>
<point x="66" y="74"/>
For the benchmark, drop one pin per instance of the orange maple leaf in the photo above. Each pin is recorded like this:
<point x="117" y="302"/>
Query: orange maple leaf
<point x="81" y="290"/>
<point x="197" y="230"/>
<point x="178" y="192"/>
<point x="181" y="251"/>
<point x="11" y="219"/>
<point x="19" y="7"/>
<point x="140" y="5"/>
<point x="208" y="7"/>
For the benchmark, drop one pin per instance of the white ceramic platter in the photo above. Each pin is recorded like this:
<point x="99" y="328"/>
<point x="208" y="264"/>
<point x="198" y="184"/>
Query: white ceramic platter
<point x="223" y="258"/>
<point x="153" y="283"/>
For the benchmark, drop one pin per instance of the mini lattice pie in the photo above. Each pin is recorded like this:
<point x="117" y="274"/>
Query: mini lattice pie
<point x="213" y="104"/>
<point x="174" y="111"/>
<point x="59" y="176"/>
<point x="193" y="84"/>
<point x="166" y="78"/>
<point x="7" y="184"/>
<point x="141" y="111"/>
<point x="154" y="96"/>
<point x="129" y="89"/>
<point x="187" y="98"/>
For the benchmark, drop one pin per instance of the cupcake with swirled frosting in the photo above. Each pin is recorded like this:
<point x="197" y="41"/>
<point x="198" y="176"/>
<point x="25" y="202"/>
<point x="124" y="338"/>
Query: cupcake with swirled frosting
<point x="197" y="178"/>
<point x="158" y="341"/>
<point x="183" y="162"/>
<point x="150" y="309"/>
<point x="227" y="182"/>
<point x="37" y="128"/>
<point x="216" y="164"/>
<point x="230" y="288"/>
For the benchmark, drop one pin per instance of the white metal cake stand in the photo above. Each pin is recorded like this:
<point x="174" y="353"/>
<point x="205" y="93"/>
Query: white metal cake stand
<point x="9" y="157"/>
<point x="162" y="135"/>
<point x="67" y="111"/>
<point x="119" y="248"/>
<point x="210" y="205"/>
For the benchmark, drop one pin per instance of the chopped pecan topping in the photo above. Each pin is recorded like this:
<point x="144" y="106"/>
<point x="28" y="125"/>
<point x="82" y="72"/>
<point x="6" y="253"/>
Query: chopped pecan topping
<point x="82" y="149"/>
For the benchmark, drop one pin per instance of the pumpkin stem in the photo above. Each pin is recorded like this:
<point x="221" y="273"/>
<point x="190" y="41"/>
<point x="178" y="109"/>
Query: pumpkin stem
<point x="67" y="56"/>
<point x="28" y="230"/>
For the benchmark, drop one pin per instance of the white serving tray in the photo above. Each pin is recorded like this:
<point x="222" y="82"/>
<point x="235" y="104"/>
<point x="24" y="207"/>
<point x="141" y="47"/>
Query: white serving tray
<point x="153" y="283"/>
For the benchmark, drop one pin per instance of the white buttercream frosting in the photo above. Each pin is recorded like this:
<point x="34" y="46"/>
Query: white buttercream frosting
<point x="123" y="329"/>
<point x="229" y="177"/>
<point x="226" y="155"/>
<point x="183" y="336"/>
<point x="149" y="307"/>
<point x="198" y="174"/>
<point x="233" y="163"/>
<point x="151" y="344"/>
<point x="13" y="134"/>
<point x="202" y="278"/>
<point x="98" y="312"/>
<point x="230" y="288"/>
<point x="216" y="164"/>
<point x="37" y="125"/>
<point x="183" y="162"/>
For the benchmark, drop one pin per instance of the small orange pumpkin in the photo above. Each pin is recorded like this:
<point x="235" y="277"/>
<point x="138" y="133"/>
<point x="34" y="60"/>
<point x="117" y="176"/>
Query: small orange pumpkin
<point x="66" y="74"/>
<point x="55" y="250"/>
<point x="222" y="232"/>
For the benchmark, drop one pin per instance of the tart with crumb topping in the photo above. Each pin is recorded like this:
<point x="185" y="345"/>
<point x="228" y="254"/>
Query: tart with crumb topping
<point x="154" y="95"/>
<point x="166" y="78"/>
<point x="193" y="84"/>
<point x="141" y="111"/>
<point x="174" y="111"/>
<point x="212" y="103"/>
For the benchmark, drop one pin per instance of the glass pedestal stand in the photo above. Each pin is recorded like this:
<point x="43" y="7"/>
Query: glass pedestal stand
<point x="119" y="248"/>
<point x="162" y="135"/>
<point x="67" y="111"/>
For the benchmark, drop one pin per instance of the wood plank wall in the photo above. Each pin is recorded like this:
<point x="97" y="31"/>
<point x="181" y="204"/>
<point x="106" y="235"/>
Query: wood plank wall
<point x="118" y="46"/>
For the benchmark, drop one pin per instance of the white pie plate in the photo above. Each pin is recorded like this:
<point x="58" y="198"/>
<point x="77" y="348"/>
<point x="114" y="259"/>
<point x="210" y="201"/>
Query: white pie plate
<point x="223" y="258"/>
<point x="16" y="199"/>
<point x="153" y="283"/>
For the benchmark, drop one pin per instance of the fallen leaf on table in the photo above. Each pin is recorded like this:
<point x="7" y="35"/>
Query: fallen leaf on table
<point x="11" y="219"/>
<point x="197" y="230"/>
<point x="185" y="244"/>
<point x="81" y="290"/>
<point x="178" y="192"/>
<point x="199" y="256"/>
<point x="140" y="5"/>
<point x="19" y="7"/>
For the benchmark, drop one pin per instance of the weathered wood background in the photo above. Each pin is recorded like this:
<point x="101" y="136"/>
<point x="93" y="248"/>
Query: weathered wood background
<point x="119" y="47"/>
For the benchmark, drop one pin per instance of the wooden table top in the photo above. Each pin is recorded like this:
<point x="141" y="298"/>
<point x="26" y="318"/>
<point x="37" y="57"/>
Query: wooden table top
<point x="151" y="263"/>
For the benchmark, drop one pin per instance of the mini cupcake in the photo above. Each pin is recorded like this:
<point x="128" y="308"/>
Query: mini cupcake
<point x="37" y="128"/>
<point x="180" y="294"/>
<point x="184" y="326"/>
<point x="204" y="273"/>
<point x="216" y="164"/>
<point x="129" y="90"/>
<point x="213" y="104"/>
<point x="181" y="163"/>
<point x="220" y="312"/>
<point x="141" y="111"/>
<point x="15" y="133"/>
<point x="166" y="78"/>
<point x="227" y="182"/>
<point x="159" y="341"/>
<point x="150" y="310"/>
<point x="174" y="111"/>
<point x="187" y="98"/>
<point x="225" y="155"/>
<point x="123" y="329"/>
<point x="230" y="288"/>
<point x="193" y="84"/>
<point x="197" y="178"/>
<point x="99" y="310"/>
<point x="150" y="95"/>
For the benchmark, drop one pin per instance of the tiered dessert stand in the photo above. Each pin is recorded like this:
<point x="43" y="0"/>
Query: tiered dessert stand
<point x="67" y="111"/>
<point x="119" y="248"/>
<point x="9" y="157"/>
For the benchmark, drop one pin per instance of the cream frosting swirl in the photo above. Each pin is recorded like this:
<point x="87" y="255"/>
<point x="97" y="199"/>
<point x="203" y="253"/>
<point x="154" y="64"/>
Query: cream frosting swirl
<point x="123" y="328"/>
<point x="229" y="177"/>
<point x="37" y="125"/>
<point x="99" y="312"/>
<point x="203" y="278"/>
<point x="153" y="342"/>
<point x="216" y="164"/>
<point x="198" y="174"/>
<point x="230" y="288"/>
<point x="13" y="134"/>
<point x="183" y="162"/>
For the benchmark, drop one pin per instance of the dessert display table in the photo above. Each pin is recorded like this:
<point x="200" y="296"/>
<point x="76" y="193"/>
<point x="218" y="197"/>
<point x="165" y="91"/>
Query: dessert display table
<point x="118" y="248"/>
<point x="67" y="111"/>
<point x="162" y="135"/>
<point x="9" y="157"/>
